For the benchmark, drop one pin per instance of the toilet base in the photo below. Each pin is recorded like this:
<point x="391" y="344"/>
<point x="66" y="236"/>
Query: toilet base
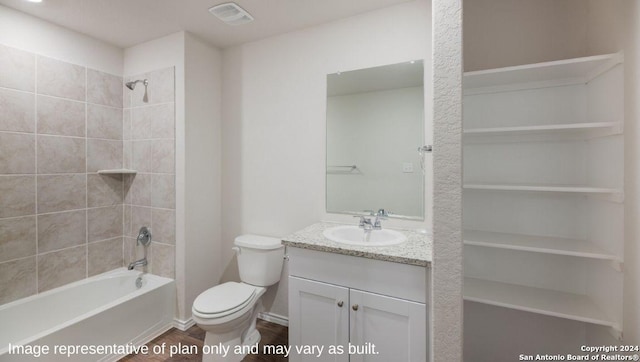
<point x="253" y="338"/>
<point x="243" y="333"/>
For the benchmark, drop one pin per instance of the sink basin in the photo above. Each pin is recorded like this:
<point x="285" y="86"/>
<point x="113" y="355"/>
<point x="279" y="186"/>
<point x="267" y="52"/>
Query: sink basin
<point x="353" y="235"/>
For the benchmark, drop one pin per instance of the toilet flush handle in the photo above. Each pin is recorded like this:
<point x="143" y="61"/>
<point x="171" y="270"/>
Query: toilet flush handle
<point x="236" y="249"/>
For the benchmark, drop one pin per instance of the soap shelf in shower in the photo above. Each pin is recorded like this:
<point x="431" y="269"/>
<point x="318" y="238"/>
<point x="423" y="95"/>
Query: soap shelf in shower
<point x="117" y="171"/>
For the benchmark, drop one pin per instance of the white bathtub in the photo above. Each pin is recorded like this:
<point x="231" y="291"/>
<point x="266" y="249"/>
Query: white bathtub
<point x="103" y="310"/>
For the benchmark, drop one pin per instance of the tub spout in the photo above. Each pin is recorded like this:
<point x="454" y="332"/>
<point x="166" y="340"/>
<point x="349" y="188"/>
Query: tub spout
<point x="141" y="262"/>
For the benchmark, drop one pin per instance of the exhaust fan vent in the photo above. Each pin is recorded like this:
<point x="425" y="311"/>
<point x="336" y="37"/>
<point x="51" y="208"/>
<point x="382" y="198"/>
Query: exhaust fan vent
<point x="231" y="14"/>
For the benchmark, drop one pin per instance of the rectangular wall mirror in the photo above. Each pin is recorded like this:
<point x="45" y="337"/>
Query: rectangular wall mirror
<point x="375" y="125"/>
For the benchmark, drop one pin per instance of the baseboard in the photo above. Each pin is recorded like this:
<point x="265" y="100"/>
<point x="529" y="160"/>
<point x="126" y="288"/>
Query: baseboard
<point x="144" y="338"/>
<point x="269" y="317"/>
<point x="183" y="325"/>
<point x="274" y="318"/>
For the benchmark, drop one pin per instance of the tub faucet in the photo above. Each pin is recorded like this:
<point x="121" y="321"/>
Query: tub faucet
<point x="144" y="239"/>
<point x="141" y="262"/>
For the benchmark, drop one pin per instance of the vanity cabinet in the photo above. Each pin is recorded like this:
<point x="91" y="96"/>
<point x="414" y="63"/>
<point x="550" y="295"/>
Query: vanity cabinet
<point x="318" y="315"/>
<point x="395" y="326"/>
<point x="344" y="300"/>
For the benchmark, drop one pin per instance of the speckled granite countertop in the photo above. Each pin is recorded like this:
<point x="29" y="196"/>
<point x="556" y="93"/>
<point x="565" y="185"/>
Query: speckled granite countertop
<point x="415" y="251"/>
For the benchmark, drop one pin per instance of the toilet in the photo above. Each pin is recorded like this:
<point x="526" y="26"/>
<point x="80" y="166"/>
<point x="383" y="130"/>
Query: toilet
<point x="228" y="312"/>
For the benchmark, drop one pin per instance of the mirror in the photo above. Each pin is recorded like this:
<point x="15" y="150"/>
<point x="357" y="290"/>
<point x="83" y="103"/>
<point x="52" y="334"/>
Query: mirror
<point x="375" y="125"/>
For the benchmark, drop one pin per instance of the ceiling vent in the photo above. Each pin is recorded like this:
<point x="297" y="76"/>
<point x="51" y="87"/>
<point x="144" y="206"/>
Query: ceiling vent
<point x="231" y="13"/>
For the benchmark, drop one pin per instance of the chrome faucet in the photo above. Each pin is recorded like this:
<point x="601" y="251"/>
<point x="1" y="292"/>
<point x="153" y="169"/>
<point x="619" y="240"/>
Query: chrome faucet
<point x="144" y="239"/>
<point x="141" y="262"/>
<point x="380" y="215"/>
<point x="367" y="225"/>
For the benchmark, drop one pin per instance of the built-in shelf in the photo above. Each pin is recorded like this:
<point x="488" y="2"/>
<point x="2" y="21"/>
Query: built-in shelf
<point x="565" y="106"/>
<point x="536" y="300"/>
<point x="539" y="75"/>
<point x="118" y="171"/>
<point x="537" y="244"/>
<point x="586" y="130"/>
<point x="542" y="188"/>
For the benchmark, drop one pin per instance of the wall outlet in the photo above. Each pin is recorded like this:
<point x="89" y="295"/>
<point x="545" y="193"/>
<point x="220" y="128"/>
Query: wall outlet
<point x="407" y="167"/>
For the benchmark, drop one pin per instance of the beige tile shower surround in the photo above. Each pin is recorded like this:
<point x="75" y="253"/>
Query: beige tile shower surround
<point x="149" y="148"/>
<point x="59" y="220"/>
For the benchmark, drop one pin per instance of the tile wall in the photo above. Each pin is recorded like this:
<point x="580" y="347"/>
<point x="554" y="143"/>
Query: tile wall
<point x="149" y="148"/>
<point x="59" y="220"/>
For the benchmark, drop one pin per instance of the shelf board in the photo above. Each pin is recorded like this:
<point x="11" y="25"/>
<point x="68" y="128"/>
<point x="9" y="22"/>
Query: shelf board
<point x="555" y="73"/>
<point x="118" y="171"/>
<point x="538" y="244"/>
<point x="536" y="300"/>
<point x="542" y="188"/>
<point x="591" y="129"/>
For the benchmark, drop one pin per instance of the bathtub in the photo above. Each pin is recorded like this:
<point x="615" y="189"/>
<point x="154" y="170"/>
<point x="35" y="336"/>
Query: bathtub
<point x="106" y="310"/>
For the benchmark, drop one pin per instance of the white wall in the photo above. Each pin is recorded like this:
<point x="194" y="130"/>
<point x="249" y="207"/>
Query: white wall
<point x="378" y="132"/>
<point x="274" y="119"/>
<point x="29" y="33"/>
<point x="499" y="33"/>
<point x="202" y="184"/>
<point x="631" y="306"/>
<point x="607" y="25"/>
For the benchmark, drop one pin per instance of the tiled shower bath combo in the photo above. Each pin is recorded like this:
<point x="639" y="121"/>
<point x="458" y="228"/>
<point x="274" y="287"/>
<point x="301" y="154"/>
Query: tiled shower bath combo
<point x="61" y="221"/>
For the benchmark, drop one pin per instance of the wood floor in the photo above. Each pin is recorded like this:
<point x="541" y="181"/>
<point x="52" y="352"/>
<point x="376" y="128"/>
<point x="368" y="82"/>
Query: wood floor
<point x="272" y="334"/>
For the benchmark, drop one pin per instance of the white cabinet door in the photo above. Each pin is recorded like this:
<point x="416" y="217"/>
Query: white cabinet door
<point x="396" y="327"/>
<point x="318" y="316"/>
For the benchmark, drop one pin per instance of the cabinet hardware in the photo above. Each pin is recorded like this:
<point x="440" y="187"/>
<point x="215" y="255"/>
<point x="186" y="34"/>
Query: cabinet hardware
<point x="354" y="307"/>
<point x="340" y="304"/>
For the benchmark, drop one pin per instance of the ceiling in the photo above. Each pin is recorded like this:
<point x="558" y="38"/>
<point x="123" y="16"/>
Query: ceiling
<point x="129" y="22"/>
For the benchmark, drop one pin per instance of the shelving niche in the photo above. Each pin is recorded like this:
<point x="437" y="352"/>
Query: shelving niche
<point x="543" y="188"/>
<point x="117" y="171"/>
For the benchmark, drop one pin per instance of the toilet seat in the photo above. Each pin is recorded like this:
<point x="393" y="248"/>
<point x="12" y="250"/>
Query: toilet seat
<point x="224" y="300"/>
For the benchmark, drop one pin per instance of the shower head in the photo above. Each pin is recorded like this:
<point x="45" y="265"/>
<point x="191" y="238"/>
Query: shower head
<point x="132" y="85"/>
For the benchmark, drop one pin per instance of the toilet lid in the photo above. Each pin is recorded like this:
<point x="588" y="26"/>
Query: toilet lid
<point x="224" y="297"/>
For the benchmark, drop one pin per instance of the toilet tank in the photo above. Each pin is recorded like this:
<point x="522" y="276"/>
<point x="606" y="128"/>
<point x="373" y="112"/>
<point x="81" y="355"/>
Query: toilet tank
<point x="260" y="259"/>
